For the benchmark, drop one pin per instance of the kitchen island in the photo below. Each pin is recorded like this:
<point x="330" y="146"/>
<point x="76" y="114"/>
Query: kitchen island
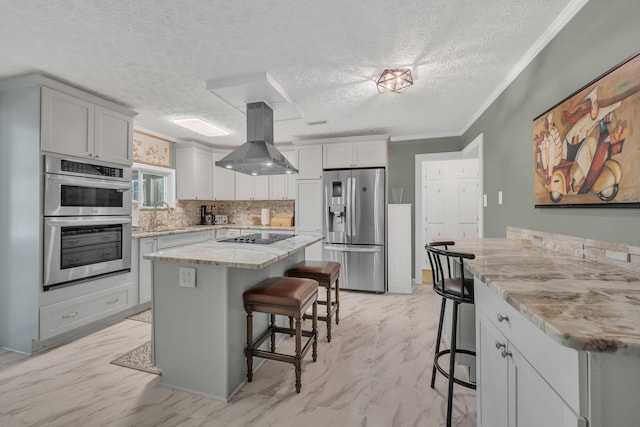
<point x="199" y="333"/>
<point x="557" y="332"/>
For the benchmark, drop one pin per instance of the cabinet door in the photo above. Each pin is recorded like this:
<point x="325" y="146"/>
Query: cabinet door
<point x="492" y="376"/>
<point x="277" y="187"/>
<point x="309" y="206"/>
<point x="468" y="200"/>
<point x="370" y="153"/>
<point x="435" y="169"/>
<point x="224" y="181"/>
<point x="283" y="187"/>
<point x="436" y="195"/>
<point x="310" y="162"/>
<point x="114" y="133"/>
<point x="339" y="155"/>
<point x="244" y="186"/>
<point x="67" y="124"/>
<point x="260" y="187"/>
<point x="203" y="175"/>
<point x="533" y="402"/>
<point x="147" y="245"/>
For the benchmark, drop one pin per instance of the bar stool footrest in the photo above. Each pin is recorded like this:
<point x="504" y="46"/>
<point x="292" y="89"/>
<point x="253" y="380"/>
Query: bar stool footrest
<point x="445" y="373"/>
<point x="274" y="355"/>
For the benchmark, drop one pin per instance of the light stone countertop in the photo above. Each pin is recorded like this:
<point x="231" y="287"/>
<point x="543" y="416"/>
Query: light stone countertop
<point x="238" y="255"/>
<point x="580" y="303"/>
<point x="138" y="234"/>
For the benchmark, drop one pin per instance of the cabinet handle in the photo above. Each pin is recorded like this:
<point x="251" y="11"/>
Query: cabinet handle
<point x="502" y="318"/>
<point x="113" y="301"/>
<point x="72" y="314"/>
<point x="500" y="345"/>
<point x="97" y="156"/>
<point x="504" y="353"/>
<point x="90" y="154"/>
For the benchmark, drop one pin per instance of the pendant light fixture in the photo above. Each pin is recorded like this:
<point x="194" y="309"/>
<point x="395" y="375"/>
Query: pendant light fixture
<point x="395" y="80"/>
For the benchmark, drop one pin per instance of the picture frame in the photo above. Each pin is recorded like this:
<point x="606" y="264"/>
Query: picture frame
<point x="586" y="148"/>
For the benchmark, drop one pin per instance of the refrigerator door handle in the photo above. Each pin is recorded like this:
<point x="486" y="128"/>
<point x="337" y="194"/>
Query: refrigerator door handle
<point x="352" y="249"/>
<point x="353" y="207"/>
<point x="349" y="209"/>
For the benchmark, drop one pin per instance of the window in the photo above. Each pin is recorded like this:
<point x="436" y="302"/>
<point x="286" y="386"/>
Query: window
<point x="152" y="185"/>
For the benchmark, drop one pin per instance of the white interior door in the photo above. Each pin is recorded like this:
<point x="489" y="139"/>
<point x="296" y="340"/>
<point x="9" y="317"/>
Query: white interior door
<point x="448" y="198"/>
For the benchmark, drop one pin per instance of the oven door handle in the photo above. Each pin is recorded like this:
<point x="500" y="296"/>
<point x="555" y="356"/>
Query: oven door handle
<point x="95" y="220"/>
<point x="89" y="182"/>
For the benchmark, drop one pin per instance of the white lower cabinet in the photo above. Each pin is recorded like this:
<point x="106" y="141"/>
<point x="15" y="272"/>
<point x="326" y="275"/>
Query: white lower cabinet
<point x="147" y="246"/>
<point x="524" y="378"/>
<point x="67" y="315"/>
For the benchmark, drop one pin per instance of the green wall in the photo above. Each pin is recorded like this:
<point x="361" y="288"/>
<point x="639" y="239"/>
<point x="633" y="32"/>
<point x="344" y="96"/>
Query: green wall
<point x="401" y="170"/>
<point x="601" y="35"/>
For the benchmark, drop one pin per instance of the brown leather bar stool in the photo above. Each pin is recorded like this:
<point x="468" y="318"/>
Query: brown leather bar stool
<point x="327" y="273"/>
<point x="459" y="290"/>
<point x="284" y="296"/>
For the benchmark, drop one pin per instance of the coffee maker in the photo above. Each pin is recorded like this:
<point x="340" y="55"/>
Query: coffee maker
<point x="207" y="214"/>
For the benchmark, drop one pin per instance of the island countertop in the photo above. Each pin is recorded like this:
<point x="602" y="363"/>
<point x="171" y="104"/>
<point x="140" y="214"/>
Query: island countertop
<point x="238" y="255"/>
<point x="580" y="303"/>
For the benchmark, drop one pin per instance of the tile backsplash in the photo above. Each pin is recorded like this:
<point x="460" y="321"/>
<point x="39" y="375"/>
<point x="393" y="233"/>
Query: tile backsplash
<point x="239" y="212"/>
<point x="580" y="247"/>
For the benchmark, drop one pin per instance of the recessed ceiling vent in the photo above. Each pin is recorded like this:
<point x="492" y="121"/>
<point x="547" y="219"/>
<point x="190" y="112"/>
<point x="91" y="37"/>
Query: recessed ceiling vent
<point x="258" y="156"/>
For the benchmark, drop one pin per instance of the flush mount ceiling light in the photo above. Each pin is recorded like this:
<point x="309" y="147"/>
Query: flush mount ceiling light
<point x="395" y="80"/>
<point x="200" y="127"/>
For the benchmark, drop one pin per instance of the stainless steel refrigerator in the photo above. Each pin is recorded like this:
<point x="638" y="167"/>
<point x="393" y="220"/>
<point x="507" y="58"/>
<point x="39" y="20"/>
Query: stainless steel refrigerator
<point x="354" y="226"/>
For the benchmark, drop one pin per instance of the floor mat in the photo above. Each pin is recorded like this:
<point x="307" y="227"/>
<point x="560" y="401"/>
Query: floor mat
<point x="139" y="358"/>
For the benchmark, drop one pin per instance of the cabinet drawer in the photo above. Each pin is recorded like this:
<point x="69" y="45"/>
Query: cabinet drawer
<point x="564" y="368"/>
<point x="73" y="313"/>
<point x="173" y="240"/>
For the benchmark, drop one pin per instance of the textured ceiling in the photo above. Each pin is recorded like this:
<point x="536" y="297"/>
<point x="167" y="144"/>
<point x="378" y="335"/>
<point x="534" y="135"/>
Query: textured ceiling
<point x="155" y="57"/>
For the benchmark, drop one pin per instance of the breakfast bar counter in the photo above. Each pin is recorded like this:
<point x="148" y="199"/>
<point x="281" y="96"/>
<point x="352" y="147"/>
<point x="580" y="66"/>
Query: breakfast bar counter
<point x="199" y="323"/>
<point x="582" y="304"/>
<point x="557" y="330"/>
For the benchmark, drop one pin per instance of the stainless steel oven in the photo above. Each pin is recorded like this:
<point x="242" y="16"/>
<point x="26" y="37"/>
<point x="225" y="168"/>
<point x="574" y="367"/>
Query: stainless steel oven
<point x="79" y="248"/>
<point x="77" y="188"/>
<point x="86" y="220"/>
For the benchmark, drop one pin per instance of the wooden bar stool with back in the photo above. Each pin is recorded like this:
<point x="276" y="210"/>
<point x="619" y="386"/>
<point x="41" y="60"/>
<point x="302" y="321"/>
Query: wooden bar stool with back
<point x="459" y="290"/>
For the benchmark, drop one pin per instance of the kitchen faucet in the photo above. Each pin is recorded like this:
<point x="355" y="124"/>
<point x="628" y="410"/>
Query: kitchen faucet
<point x="155" y="213"/>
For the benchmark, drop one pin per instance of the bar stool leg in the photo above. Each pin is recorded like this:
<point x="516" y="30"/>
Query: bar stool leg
<point x="314" y="330"/>
<point x="249" y="350"/>
<point x="337" y="301"/>
<point x="329" y="312"/>
<point x="297" y="362"/>
<point x="273" y="333"/>
<point x="452" y="361"/>
<point x="433" y="372"/>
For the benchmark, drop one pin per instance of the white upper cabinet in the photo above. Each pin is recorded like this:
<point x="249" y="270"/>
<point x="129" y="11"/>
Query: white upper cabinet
<point x="224" y="181"/>
<point x="338" y="155"/>
<point x="310" y="162"/>
<point x="250" y="187"/>
<point x="355" y="154"/>
<point x="194" y="173"/>
<point x="77" y="127"/>
<point x="114" y="135"/>
<point x="283" y="187"/>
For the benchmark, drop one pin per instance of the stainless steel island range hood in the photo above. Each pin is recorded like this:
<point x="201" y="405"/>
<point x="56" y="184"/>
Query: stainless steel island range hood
<point x="258" y="156"/>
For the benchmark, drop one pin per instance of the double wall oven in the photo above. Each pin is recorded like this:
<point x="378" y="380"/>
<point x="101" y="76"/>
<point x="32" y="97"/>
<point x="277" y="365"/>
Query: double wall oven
<point x="87" y="220"/>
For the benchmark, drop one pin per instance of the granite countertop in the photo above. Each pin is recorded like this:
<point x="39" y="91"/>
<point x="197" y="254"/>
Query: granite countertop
<point x="238" y="255"/>
<point x="582" y="304"/>
<point x="137" y="234"/>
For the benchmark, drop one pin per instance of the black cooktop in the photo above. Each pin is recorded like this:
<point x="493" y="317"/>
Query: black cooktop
<point x="259" y="238"/>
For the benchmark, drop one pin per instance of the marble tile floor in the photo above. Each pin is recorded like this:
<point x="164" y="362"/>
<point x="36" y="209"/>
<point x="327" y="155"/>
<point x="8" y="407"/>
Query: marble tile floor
<point x="375" y="372"/>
